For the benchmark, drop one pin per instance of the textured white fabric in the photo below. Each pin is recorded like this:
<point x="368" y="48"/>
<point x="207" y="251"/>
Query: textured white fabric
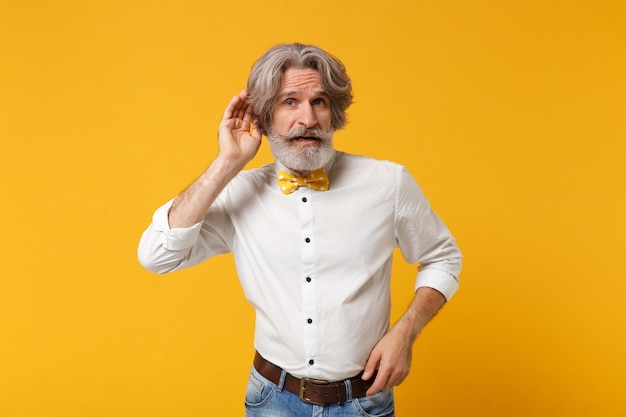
<point x="316" y="265"/>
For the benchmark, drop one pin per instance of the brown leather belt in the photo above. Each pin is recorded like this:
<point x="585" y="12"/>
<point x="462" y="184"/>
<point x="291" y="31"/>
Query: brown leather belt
<point x="313" y="391"/>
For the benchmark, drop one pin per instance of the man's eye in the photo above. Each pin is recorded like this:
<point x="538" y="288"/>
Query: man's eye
<point x="290" y="102"/>
<point x="319" y="102"/>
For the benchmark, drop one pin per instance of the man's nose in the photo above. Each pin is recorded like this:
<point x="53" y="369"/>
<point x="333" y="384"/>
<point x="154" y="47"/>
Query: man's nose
<point x="306" y="115"/>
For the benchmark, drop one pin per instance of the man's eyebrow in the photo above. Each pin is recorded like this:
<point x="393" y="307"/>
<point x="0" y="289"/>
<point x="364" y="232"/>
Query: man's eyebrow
<point x="320" y="93"/>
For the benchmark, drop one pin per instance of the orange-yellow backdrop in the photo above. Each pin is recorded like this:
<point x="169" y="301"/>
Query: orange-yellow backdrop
<point x="511" y="115"/>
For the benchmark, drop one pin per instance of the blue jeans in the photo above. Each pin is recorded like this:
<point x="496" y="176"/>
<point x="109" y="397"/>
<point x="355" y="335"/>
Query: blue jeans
<point x="266" y="399"/>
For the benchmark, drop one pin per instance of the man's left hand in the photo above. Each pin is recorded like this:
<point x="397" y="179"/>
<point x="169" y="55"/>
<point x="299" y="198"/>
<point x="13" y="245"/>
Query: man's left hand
<point x="392" y="357"/>
<point x="392" y="354"/>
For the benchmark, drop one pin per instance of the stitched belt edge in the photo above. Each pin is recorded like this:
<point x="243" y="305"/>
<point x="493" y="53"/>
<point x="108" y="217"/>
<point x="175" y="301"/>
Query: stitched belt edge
<point x="313" y="391"/>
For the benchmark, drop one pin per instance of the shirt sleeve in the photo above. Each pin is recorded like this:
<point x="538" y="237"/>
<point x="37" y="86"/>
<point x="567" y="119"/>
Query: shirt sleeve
<point x="163" y="249"/>
<point x="424" y="239"/>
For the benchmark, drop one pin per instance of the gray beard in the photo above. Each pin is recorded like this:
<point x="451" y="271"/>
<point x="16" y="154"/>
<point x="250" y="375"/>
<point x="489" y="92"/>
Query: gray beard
<point x="305" y="158"/>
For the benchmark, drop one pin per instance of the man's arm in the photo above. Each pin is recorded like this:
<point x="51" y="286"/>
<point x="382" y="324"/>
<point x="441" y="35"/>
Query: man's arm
<point x="239" y="139"/>
<point x="423" y="239"/>
<point x="166" y="245"/>
<point x="392" y="354"/>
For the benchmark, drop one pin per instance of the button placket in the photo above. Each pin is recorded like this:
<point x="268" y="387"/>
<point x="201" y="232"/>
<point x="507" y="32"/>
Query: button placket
<point x="309" y="291"/>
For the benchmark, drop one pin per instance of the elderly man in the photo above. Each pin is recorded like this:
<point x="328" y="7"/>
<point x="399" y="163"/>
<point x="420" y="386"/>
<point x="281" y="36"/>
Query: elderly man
<point x="312" y="236"/>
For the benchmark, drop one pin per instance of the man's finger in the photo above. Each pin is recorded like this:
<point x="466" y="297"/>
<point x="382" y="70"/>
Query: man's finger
<point x="370" y="366"/>
<point x="380" y="383"/>
<point x="234" y="105"/>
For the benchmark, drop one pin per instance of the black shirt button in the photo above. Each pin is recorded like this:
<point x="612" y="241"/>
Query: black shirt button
<point x="309" y="321"/>
<point x="308" y="279"/>
<point x="304" y="200"/>
<point x="311" y="362"/>
<point x="307" y="240"/>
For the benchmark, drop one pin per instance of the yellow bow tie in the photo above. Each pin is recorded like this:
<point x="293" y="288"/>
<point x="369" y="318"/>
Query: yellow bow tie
<point x="317" y="180"/>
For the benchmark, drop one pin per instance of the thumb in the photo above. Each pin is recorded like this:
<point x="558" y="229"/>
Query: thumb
<point x="256" y="130"/>
<point x="371" y="365"/>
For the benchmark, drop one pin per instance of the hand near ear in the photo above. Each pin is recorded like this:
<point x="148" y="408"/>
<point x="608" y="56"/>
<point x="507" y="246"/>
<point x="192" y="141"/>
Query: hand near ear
<point x="239" y="137"/>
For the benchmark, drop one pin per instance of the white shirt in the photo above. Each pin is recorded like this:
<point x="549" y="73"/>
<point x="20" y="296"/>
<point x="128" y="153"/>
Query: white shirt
<point x="316" y="265"/>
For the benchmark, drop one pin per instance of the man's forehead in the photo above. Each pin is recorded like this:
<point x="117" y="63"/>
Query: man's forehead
<point x="298" y="80"/>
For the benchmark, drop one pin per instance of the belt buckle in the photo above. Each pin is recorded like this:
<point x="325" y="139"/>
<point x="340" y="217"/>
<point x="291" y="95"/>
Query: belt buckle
<point x="303" y="383"/>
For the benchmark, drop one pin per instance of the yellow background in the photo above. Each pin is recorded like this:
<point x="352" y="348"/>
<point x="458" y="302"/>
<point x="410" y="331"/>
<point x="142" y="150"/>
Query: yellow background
<point x="509" y="113"/>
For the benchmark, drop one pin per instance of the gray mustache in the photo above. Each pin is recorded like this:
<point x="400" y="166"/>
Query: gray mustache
<point x="301" y="131"/>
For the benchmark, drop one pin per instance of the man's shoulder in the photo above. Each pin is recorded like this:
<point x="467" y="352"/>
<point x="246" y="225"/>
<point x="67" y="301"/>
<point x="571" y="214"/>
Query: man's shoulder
<point x="350" y="161"/>
<point x="248" y="182"/>
<point x="258" y="174"/>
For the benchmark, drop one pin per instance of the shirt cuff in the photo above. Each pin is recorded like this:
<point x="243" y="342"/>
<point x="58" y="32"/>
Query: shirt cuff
<point x="442" y="281"/>
<point x="178" y="238"/>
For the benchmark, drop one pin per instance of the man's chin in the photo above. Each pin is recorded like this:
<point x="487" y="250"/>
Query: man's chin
<point x="302" y="164"/>
<point x="303" y="153"/>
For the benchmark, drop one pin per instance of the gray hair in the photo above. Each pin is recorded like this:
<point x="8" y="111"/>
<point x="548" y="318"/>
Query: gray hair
<point x="267" y="72"/>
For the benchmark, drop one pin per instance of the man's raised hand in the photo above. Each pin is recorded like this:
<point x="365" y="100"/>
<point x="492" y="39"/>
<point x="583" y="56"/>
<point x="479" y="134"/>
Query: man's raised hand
<point x="239" y="137"/>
